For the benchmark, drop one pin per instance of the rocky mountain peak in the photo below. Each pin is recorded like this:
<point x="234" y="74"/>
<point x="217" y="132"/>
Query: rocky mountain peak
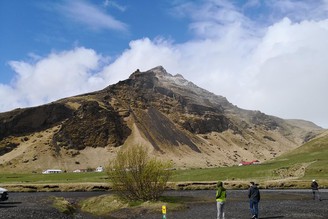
<point x="167" y="78"/>
<point x="162" y="75"/>
<point x="159" y="70"/>
<point x="160" y="78"/>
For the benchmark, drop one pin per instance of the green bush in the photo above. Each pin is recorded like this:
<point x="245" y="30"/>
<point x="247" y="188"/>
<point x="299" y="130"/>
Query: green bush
<point x="137" y="176"/>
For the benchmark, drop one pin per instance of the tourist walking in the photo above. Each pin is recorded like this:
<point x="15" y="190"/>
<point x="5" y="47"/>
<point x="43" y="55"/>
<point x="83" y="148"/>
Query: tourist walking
<point x="221" y="196"/>
<point x="315" y="190"/>
<point x="254" y="199"/>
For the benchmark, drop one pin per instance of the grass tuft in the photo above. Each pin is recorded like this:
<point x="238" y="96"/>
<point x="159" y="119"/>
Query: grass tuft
<point x="62" y="205"/>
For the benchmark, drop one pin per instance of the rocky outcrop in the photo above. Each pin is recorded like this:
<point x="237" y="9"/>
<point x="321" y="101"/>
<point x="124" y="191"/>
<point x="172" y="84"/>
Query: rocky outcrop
<point x="29" y="120"/>
<point x="92" y="126"/>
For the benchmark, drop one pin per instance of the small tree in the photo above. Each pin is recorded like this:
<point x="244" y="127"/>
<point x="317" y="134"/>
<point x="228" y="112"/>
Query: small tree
<point x="137" y="176"/>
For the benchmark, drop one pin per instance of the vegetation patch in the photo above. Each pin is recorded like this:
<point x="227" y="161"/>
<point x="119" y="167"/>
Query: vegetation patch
<point x="103" y="204"/>
<point x="138" y="177"/>
<point x="115" y="206"/>
<point x="63" y="205"/>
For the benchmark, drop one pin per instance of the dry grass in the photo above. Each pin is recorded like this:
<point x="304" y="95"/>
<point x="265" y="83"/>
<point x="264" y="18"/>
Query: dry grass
<point x="64" y="187"/>
<point x="104" y="204"/>
<point x="62" y="205"/>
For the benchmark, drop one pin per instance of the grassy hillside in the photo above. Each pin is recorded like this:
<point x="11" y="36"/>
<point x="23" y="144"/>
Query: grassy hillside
<point x="313" y="153"/>
<point x="304" y="163"/>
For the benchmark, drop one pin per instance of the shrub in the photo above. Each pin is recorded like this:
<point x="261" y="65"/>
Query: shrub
<point x="137" y="176"/>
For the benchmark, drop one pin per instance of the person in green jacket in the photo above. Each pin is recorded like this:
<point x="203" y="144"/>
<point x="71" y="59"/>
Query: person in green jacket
<point x="221" y="196"/>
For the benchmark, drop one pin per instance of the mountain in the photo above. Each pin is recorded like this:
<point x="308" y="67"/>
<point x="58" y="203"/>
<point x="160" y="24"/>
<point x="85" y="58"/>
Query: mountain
<point x="173" y="117"/>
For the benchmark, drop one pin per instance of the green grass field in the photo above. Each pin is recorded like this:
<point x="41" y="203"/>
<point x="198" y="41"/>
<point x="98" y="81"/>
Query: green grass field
<point x="31" y="178"/>
<point x="307" y="162"/>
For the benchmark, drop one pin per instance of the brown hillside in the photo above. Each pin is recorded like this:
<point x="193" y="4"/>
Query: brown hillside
<point x="173" y="117"/>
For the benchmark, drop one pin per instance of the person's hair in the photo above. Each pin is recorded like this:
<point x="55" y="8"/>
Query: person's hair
<point x="252" y="183"/>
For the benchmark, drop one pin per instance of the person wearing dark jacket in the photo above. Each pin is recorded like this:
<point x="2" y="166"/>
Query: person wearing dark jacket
<point x="254" y="199"/>
<point x="315" y="190"/>
<point x="221" y="196"/>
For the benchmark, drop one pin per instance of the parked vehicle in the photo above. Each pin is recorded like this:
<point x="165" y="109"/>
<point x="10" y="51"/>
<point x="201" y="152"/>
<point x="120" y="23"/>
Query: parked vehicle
<point x="3" y="194"/>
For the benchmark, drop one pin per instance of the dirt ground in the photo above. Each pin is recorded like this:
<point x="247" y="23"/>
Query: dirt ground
<point x="274" y="204"/>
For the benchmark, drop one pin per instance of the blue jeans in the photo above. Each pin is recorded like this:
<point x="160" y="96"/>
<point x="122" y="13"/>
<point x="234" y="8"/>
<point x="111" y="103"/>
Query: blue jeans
<point x="254" y="206"/>
<point x="316" y="193"/>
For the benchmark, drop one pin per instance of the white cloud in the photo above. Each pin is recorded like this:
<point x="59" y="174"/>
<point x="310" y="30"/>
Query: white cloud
<point x="299" y="10"/>
<point x="279" y="69"/>
<point x="91" y="16"/>
<point x="10" y="98"/>
<point x="114" y="4"/>
<point x="143" y="54"/>
<point x="290" y="64"/>
<point x="56" y="76"/>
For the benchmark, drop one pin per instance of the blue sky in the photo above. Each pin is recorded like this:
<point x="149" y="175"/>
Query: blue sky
<point x="262" y="55"/>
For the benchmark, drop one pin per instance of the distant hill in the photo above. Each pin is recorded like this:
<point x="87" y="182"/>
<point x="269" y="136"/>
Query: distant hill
<point x="173" y="117"/>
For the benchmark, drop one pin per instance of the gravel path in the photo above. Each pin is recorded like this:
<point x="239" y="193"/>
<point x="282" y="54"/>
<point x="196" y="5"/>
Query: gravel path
<point x="284" y="204"/>
<point x="39" y="205"/>
<point x="274" y="204"/>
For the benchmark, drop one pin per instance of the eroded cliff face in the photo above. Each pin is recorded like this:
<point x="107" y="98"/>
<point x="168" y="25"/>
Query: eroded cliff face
<point x="29" y="120"/>
<point x="173" y="117"/>
<point x="92" y="126"/>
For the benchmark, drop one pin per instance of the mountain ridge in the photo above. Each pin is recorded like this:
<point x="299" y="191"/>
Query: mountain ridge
<point x="170" y="115"/>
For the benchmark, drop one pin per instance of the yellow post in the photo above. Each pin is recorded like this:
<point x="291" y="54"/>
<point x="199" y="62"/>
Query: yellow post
<point x="164" y="211"/>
